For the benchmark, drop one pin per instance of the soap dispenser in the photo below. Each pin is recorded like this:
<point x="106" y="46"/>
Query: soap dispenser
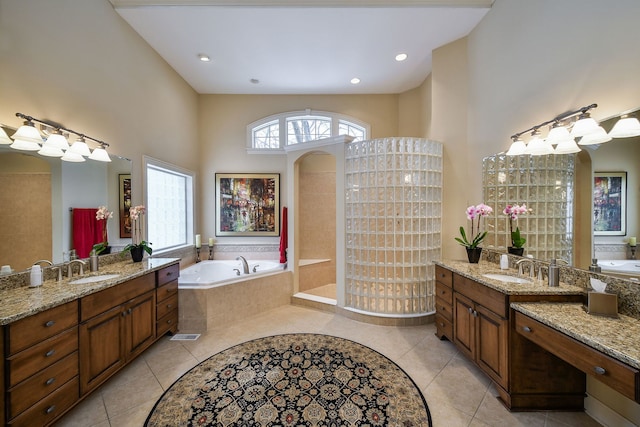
<point x="93" y="261"/>
<point x="36" y="276"/>
<point x="554" y="274"/>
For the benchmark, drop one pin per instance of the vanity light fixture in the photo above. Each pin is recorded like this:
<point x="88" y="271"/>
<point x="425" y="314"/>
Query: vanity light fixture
<point x="28" y="138"/>
<point x="584" y="125"/>
<point x="626" y="127"/>
<point x="538" y="146"/>
<point x="597" y="137"/>
<point x="517" y="148"/>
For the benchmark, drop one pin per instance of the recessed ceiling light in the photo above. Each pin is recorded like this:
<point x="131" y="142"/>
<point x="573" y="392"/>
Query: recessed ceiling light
<point x="401" y="57"/>
<point x="355" y="81"/>
<point x="254" y="81"/>
<point x="204" y="58"/>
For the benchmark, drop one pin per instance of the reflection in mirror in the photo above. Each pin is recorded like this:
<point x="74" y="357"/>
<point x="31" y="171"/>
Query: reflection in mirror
<point x="36" y="195"/>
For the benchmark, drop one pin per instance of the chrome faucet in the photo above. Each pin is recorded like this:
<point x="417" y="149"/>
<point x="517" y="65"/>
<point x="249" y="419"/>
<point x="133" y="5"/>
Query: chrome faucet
<point x="245" y="264"/>
<point x="81" y="263"/>
<point x="520" y="264"/>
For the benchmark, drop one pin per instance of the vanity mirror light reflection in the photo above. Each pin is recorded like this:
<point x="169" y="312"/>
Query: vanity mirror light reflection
<point x="37" y="194"/>
<point x="559" y="190"/>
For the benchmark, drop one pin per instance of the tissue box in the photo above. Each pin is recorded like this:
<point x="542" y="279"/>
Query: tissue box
<point x="602" y="304"/>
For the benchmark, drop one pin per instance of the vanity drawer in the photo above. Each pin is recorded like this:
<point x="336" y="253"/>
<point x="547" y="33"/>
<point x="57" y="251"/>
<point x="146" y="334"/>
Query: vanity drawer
<point x="444" y="309"/>
<point x="42" y="384"/>
<point x="495" y="301"/>
<point x="444" y="293"/>
<point x="617" y="375"/>
<point x="168" y="274"/>
<point x="33" y="329"/>
<point x="444" y="327"/>
<point x="26" y="363"/>
<point x="100" y="302"/>
<point x="49" y="408"/>
<point x="167" y="290"/>
<point x="444" y="276"/>
<point x="164" y="307"/>
<point x="168" y="323"/>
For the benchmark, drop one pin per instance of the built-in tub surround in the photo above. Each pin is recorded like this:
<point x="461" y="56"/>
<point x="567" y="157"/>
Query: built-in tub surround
<point x="210" y="274"/>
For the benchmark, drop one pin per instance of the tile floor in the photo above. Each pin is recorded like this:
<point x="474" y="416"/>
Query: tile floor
<point x="458" y="394"/>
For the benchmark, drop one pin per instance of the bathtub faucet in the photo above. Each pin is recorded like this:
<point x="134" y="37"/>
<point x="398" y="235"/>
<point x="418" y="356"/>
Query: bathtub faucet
<point x="245" y="264"/>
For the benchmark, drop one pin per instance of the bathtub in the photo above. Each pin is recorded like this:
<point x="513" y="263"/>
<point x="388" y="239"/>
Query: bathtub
<point x="620" y="266"/>
<point x="210" y="274"/>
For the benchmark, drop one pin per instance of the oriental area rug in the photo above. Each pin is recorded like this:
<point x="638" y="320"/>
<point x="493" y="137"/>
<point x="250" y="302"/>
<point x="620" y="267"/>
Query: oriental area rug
<point x="293" y="380"/>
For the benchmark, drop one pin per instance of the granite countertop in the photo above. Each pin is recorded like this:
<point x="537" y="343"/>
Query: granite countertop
<point x="477" y="271"/>
<point x="20" y="302"/>
<point x="615" y="337"/>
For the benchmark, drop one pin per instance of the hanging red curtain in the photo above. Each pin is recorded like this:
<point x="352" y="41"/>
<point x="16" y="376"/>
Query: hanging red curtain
<point x="284" y="241"/>
<point x="87" y="230"/>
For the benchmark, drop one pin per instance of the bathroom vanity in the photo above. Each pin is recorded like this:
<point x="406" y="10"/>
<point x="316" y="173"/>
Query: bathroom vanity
<point x="62" y="340"/>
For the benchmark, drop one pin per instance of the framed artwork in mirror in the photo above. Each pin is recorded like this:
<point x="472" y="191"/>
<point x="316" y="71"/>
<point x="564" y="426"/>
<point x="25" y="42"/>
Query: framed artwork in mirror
<point x="124" y="185"/>
<point x="609" y="203"/>
<point x="247" y="204"/>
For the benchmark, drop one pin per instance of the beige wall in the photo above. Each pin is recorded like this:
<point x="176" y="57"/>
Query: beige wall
<point x="78" y="63"/>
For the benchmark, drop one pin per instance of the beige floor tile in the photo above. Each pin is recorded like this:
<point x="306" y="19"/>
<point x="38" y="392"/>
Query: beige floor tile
<point x="134" y="417"/>
<point x="121" y="397"/>
<point x="90" y="412"/>
<point x="564" y="419"/>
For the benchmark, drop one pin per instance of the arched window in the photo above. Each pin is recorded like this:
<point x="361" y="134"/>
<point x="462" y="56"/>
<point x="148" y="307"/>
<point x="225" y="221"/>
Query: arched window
<point x="275" y="132"/>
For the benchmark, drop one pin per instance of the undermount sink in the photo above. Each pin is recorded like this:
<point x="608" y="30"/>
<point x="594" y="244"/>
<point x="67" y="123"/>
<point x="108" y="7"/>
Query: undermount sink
<point x="91" y="279"/>
<point x="506" y="278"/>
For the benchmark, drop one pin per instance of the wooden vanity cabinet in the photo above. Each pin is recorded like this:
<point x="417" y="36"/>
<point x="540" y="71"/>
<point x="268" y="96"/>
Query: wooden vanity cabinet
<point x="116" y="325"/>
<point x="167" y="300"/>
<point x="41" y="366"/>
<point x="444" y="303"/>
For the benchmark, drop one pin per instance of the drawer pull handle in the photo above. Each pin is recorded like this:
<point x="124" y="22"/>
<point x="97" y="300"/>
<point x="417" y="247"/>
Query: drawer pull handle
<point x="170" y="273"/>
<point x="168" y="305"/>
<point x="169" y="322"/>
<point x="600" y="371"/>
<point x="50" y="381"/>
<point x="49" y="324"/>
<point x="470" y="310"/>
<point x="526" y="329"/>
<point x="50" y="353"/>
<point x="50" y="409"/>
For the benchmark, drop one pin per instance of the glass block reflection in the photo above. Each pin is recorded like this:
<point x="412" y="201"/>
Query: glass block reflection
<point x="393" y="216"/>
<point x="543" y="183"/>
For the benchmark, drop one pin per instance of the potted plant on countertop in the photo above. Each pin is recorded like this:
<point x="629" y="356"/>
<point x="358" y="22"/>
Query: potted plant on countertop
<point x="103" y="214"/>
<point x="138" y="246"/>
<point x="474" y="214"/>
<point x="517" y="241"/>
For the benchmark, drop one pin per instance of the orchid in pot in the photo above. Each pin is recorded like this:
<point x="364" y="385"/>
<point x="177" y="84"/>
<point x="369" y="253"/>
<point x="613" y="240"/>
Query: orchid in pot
<point x="138" y="245"/>
<point x="475" y="215"/>
<point x="517" y="241"/>
<point x="102" y="214"/>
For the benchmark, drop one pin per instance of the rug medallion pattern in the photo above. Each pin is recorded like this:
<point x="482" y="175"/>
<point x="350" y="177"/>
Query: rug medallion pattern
<point x="293" y="380"/>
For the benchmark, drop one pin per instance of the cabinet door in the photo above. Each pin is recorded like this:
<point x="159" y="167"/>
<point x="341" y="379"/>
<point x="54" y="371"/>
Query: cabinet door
<point x="492" y="344"/>
<point x="464" y="325"/>
<point x="140" y="320"/>
<point x="101" y="348"/>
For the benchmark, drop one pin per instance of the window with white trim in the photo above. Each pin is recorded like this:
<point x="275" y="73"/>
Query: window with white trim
<point x="170" y="206"/>
<point x="275" y="132"/>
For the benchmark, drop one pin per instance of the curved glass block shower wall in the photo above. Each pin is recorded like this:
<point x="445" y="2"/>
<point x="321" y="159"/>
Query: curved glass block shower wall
<point x="546" y="185"/>
<point x="393" y="225"/>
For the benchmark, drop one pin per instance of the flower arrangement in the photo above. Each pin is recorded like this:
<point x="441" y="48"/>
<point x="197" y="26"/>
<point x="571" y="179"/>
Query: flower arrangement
<point x="102" y="214"/>
<point x="136" y="213"/>
<point x="512" y="212"/>
<point x="474" y="214"/>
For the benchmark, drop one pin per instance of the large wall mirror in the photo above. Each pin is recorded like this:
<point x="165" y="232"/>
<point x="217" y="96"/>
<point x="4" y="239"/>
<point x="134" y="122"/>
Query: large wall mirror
<point x="37" y="195"/>
<point x="572" y="235"/>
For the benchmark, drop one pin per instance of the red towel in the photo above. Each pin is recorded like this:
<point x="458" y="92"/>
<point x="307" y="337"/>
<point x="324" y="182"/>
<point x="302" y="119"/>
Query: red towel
<point x="284" y="241"/>
<point x="87" y="230"/>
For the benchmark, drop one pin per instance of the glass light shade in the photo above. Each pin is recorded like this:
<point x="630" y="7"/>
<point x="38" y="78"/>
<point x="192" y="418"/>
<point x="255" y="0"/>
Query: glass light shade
<point x="626" y="127"/>
<point x="27" y="138"/>
<point x="4" y="138"/>
<point x="70" y="156"/>
<point x="584" y="126"/>
<point x="567" y="146"/>
<point x="80" y="147"/>
<point x="597" y="137"/>
<point x="538" y="147"/>
<point x="100" y="154"/>
<point x="50" y="150"/>
<point x="58" y="140"/>
<point x="558" y="134"/>
<point x="517" y="148"/>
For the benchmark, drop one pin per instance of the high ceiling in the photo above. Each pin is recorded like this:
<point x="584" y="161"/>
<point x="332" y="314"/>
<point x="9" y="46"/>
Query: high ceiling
<point x="301" y="46"/>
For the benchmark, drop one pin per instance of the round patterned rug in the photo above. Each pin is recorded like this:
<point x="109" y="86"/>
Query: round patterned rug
<point x="293" y="380"/>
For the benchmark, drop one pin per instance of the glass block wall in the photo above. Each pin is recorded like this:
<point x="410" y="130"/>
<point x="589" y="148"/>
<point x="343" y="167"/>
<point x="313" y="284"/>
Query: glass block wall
<point x="543" y="183"/>
<point x="393" y="225"/>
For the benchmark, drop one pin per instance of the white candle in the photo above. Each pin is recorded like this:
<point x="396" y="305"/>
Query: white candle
<point x="632" y="241"/>
<point x="210" y="241"/>
<point x="198" y="241"/>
